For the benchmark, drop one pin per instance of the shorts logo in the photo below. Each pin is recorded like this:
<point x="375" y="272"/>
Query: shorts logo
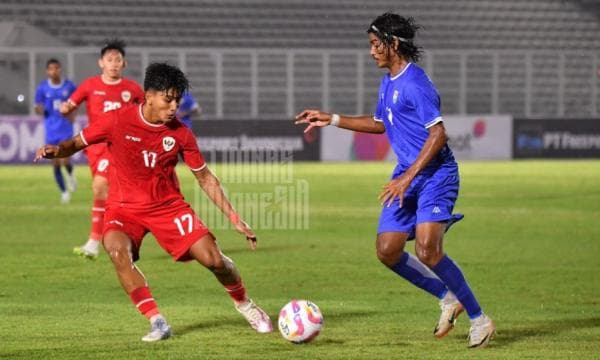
<point x="116" y="222"/>
<point x="436" y="210"/>
<point x="126" y="95"/>
<point x="168" y="143"/>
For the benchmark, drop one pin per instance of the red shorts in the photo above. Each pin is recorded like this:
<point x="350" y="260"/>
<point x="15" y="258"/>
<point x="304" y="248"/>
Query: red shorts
<point x="176" y="227"/>
<point x="98" y="159"/>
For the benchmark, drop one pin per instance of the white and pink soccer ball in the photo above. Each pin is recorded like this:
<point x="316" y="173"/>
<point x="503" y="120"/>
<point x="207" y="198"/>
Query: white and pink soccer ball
<point x="300" y="321"/>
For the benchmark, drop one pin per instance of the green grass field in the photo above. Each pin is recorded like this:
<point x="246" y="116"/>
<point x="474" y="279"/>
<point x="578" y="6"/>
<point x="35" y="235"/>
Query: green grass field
<point x="529" y="246"/>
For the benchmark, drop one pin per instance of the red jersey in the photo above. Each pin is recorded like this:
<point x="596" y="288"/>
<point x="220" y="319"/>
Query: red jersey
<point x="102" y="97"/>
<point x="142" y="172"/>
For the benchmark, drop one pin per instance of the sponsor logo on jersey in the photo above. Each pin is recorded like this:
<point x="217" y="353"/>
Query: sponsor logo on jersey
<point x="99" y="92"/>
<point x="126" y="95"/>
<point x="133" y="138"/>
<point x="168" y="143"/>
<point x="395" y="97"/>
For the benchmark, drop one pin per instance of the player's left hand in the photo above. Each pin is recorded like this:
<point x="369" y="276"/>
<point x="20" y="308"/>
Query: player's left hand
<point x="244" y="229"/>
<point x="46" y="151"/>
<point x="395" y="189"/>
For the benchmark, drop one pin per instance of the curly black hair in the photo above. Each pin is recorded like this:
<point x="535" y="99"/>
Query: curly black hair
<point x="113" y="44"/>
<point x="165" y="77"/>
<point x="389" y="27"/>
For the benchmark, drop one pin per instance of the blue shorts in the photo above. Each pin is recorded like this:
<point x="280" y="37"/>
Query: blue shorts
<point x="55" y="137"/>
<point x="430" y="198"/>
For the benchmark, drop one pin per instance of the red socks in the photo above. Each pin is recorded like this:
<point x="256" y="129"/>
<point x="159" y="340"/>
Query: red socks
<point x="143" y="300"/>
<point x="237" y="292"/>
<point x="97" y="220"/>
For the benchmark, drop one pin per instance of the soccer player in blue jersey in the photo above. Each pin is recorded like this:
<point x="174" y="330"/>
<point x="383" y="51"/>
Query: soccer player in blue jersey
<point x="49" y="95"/>
<point x="421" y="194"/>
<point x="187" y="108"/>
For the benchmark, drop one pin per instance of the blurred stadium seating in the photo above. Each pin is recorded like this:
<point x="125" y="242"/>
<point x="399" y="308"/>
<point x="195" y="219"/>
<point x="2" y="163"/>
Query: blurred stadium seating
<point x="268" y="58"/>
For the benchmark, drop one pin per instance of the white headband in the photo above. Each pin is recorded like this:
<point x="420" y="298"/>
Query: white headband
<point x="388" y="35"/>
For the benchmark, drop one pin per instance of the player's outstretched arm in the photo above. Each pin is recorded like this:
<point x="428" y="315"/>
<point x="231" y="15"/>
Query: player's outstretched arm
<point x="211" y="185"/>
<point x="64" y="149"/>
<point x="317" y="118"/>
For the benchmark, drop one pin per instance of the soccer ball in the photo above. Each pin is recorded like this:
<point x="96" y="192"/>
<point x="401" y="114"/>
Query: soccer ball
<point x="300" y="321"/>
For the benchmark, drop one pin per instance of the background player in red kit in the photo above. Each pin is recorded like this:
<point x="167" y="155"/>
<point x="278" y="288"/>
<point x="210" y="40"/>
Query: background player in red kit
<point x="102" y="93"/>
<point x="145" y="143"/>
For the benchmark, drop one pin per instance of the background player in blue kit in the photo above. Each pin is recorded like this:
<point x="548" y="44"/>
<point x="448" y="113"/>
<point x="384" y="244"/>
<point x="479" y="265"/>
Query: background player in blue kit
<point x="420" y="197"/>
<point x="50" y="93"/>
<point x="187" y="108"/>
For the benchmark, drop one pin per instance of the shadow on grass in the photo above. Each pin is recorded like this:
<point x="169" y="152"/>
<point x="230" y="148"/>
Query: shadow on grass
<point x="229" y="321"/>
<point x="507" y="336"/>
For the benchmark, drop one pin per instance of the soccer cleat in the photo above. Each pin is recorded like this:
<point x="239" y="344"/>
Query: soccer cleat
<point x="84" y="252"/>
<point x="256" y="317"/>
<point x="65" y="197"/>
<point x="450" y="311"/>
<point x="453" y="220"/>
<point x="481" y="332"/>
<point x="159" y="330"/>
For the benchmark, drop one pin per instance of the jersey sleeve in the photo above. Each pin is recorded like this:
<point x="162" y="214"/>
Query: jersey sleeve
<point x="71" y="87"/>
<point x="190" y="152"/>
<point x="39" y="95"/>
<point x="80" y="94"/>
<point x="426" y="102"/>
<point x="380" y="109"/>
<point x="100" y="131"/>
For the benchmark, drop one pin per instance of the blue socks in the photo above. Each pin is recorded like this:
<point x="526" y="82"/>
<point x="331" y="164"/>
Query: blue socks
<point x="58" y="176"/>
<point x="413" y="270"/>
<point x="453" y="277"/>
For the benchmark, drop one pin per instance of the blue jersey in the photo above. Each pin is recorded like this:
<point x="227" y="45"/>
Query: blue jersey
<point x="50" y="96"/>
<point x="408" y="106"/>
<point x="187" y="104"/>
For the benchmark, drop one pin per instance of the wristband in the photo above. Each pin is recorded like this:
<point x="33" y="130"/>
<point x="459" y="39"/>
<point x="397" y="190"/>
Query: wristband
<point x="335" y="120"/>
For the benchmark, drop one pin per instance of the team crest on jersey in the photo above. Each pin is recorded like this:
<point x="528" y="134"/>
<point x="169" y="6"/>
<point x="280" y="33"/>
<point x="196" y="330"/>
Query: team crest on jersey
<point x="126" y="95"/>
<point x="168" y="143"/>
<point x="65" y="93"/>
<point x="395" y="97"/>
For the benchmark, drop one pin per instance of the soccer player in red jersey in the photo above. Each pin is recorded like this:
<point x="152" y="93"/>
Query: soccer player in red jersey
<point x="145" y="143"/>
<point x="102" y="93"/>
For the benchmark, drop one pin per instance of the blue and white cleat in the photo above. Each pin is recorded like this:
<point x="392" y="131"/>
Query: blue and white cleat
<point x="160" y="330"/>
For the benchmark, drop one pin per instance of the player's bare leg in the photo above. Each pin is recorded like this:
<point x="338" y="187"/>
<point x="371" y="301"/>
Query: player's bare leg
<point x="91" y="248"/>
<point x="429" y="248"/>
<point x="207" y="252"/>
<point x="390" y="251"/>
<point x="119" y="248"/>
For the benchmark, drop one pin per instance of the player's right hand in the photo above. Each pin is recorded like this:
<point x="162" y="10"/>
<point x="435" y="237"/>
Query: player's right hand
<point x="245" y="230"/>
<point x="46" y="152"/>
<point x="314" y="118"/>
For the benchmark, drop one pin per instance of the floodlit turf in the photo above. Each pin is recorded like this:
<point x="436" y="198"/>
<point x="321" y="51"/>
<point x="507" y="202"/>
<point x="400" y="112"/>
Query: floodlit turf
<point x="529" y="246"/>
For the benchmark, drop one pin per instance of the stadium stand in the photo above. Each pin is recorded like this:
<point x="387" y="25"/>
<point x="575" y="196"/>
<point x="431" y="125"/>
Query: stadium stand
<point x="485" y="56"/>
